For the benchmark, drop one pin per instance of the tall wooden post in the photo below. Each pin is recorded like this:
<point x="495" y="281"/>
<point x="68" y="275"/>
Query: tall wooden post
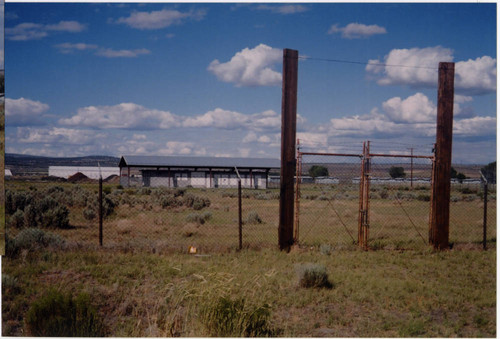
<point x="240" y="218"/>
<point x="288" y="132"/>
<point x="100" y="210"/>
<point x="485" y="212"/>
<point x="440" y="218"/>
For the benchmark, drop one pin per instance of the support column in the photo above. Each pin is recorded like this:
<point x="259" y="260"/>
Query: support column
<point x="288" y="132"/>
<point x="440" y="209"/>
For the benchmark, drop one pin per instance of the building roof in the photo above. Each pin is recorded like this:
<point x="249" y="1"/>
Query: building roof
<point x="203" y="162"/>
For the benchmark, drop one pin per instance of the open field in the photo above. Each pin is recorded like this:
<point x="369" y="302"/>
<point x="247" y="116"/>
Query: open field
<point x="143" y="282"/>
<point x="162" y="220"/>
<point x="374" y="294"/>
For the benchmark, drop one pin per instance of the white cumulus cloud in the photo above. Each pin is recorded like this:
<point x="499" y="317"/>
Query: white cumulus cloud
<point x="31" y="31"/>
<point x="56" y="135"/>
<point x="159" y="19"/>
<point x="219" y="118"/>
<point x="283" y="9"/>
<point x="123" y="53"/>
<point x="68" y="47"/>
<point x="416" y="108"/>
<point x="476" y="126"/>
<point x="356" y="30"/>
<point x="477" y="76"/>
<point x="250" y="67"/>
<point x="23" y="111"/>
<point x="122" y="116"/>
<point x="413" y="67"/>
<point x="417" y="67"/>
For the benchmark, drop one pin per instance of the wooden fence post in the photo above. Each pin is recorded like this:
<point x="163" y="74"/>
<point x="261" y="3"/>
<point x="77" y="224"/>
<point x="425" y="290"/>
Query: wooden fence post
<point x="440" y="218"/>
<point x="240" y="217"/>
<point x="288" y="132"/>
<point x="100" y="211"/>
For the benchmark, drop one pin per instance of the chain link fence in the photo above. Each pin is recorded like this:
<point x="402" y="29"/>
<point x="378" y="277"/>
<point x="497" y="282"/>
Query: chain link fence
<point x="204" y="220"/>
<point x="157" y="219"/>
<point x="330" y="204"/>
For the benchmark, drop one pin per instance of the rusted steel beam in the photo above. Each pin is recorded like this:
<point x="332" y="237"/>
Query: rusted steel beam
<point x="402" y="156"/>
<point x="334" y="154"/>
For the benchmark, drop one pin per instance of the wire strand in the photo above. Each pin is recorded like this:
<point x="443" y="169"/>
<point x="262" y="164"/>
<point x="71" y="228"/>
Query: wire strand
<point x="364" y="63"/>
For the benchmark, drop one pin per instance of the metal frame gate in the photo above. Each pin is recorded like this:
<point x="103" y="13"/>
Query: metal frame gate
<point x="364" y="189"/>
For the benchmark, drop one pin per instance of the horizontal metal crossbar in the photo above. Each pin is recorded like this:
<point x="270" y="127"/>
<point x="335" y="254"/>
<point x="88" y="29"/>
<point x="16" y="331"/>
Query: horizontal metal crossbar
<point x="401" y="156"/>
<point x="333" y="154"/>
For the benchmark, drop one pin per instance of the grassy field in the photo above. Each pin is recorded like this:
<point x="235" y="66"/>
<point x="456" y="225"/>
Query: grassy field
<point x="373" y="294"/>
<point x="145" y="219"/>
<point x="143" y="283"/>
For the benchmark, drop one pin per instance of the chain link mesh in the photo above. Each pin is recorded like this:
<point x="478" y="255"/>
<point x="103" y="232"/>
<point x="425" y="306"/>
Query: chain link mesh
<point x="145" y="218"/>
<point x="399" y="200"/>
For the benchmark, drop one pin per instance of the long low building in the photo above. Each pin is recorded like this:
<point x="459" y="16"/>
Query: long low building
<point x="90" y="172"/>
<point x="206" y="172"/>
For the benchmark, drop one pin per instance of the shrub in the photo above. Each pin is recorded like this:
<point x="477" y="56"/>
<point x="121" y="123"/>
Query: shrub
<point x="423" y="197"/>
<point x="199" y="218"/>
<point x="318" y="171"/>
<point x="59" y="315"/>
<point x="179" y="192"/>
<point x="145" y="191"/>
<point x="11" y="251"/>
<point x="384" y="194"/>
<point x="253" y="218"/>
<point x="397" y="172"/>
<point x="197" y="203"/>
<point x="314" y="275"/>
<point x="35" y="238"/>
<point x="17" y="219"/>
<point x="233" y="318"/>
<point x="46" y="212"/>
<point x="326" y="249"/>
<point x="10" y="285"/>
<point x="467" y="190"/>
<point x="89" y="213"/>
<point x="57" y="217"/>
<point x="168" y="201"/>
<point x="16" y="201"/>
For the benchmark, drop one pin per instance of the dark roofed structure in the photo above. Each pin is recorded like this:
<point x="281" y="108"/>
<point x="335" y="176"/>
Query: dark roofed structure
<point x="182" y="171"/>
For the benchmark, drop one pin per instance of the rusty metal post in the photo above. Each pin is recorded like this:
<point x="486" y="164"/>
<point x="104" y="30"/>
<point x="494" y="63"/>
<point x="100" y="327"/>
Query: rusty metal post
<point x="411" y="169"/>
<point x="361" y="198"/>
<point x="366" y="224"/>
<point x="440" y="221"/>
<point x="298" y="179"/>
<point x="288" y="132"/>
<point x="364" y="198"/>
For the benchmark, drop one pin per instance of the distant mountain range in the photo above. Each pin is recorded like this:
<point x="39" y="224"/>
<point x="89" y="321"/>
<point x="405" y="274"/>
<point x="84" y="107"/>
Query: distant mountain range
<point x="21" y="164"/>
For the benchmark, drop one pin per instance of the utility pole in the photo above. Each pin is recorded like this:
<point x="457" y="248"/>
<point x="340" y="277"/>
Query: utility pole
<point x="440" y="209"/>
<point x="288" y="132"/>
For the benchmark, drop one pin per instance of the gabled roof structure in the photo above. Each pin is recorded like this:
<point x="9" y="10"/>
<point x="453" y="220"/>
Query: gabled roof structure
<point x="198" y="162"/>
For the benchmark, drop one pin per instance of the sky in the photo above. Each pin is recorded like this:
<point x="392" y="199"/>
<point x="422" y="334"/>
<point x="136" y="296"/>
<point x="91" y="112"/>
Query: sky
<point x="204" y="79"/>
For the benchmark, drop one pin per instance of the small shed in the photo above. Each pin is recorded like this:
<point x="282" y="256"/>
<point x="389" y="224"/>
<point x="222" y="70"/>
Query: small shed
<point x="205" y="172"/>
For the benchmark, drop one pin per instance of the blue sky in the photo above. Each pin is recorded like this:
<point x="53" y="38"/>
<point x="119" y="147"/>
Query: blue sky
<point x="205" y="79"/>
